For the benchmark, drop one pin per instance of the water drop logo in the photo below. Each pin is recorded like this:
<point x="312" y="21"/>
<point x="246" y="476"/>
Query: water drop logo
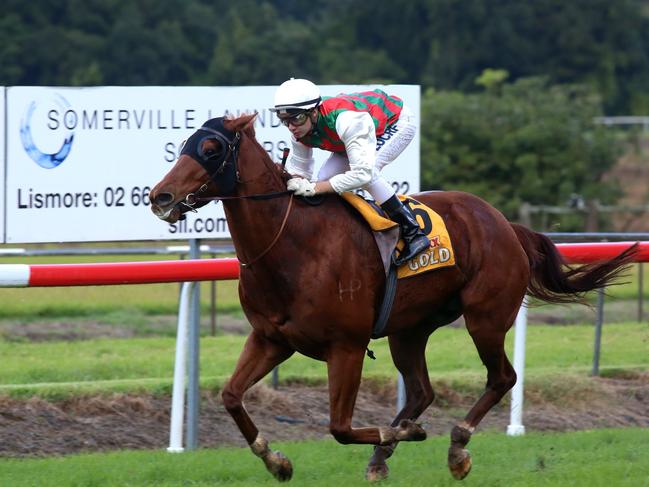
<point x="44" y="159"/>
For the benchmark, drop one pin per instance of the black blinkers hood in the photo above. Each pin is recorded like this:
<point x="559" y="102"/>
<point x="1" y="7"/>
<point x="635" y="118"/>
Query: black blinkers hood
<point x="215" y="162"/>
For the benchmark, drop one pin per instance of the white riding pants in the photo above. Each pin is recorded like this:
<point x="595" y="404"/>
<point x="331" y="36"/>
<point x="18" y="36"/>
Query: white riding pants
<point x="388" y="147"/>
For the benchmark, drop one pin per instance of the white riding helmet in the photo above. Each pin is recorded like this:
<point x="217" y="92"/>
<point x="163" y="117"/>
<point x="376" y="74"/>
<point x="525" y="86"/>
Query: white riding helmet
<point x="296" y="94"/>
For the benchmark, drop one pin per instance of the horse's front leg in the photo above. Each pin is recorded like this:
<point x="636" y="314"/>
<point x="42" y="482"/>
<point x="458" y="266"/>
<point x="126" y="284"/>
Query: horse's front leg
<point x="345" y="366"/>
<point x="259" y="356"/>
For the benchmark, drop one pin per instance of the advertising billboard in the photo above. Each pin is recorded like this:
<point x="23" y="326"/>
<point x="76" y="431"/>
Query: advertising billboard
<point x="81" y="161"/>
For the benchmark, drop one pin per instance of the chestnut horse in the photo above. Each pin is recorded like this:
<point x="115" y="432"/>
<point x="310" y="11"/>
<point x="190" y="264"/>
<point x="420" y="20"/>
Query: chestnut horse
<point x="312" y="281"/>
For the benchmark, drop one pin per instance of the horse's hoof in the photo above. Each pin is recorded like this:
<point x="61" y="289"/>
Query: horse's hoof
<point x="460" y="469"/>
<point x="410" y="431"/>
<point x="376" y="473"/>
<point x="279" y="466"/>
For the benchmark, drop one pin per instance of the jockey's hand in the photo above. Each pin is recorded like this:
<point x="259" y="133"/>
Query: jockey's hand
<point x="301" y="186"/>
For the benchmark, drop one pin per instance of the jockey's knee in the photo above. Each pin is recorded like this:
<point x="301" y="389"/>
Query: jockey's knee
<point x="380" y="189"/>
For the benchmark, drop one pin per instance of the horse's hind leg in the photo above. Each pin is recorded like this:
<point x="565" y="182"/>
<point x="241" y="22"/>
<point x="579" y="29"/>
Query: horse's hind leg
<point x="258" y="357"/>
<point x="344" y="372"/>
<point x="408" y="353"/>
<point x="488" y="334"/>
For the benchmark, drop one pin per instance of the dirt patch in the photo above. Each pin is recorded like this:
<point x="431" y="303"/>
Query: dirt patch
<point x="61" y="331"/>
<point x="86" y="329"/>
<point x="36" y="427"/>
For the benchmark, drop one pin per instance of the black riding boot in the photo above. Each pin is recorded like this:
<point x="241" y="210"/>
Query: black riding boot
<point x="415" y="239"/>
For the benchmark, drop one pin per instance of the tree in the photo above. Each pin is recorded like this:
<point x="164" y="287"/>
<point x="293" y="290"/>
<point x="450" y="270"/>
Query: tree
<point x="596" y="42"/>
<point x="530" y="142"/>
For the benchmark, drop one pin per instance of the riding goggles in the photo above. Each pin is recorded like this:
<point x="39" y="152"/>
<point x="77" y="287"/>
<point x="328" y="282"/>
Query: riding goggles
<point x="296" y="120"/>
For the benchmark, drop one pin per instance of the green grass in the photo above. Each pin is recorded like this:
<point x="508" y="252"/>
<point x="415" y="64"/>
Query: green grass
<point x="589" y="458"/>
<point x="118" y="365"/>
<point x="29" y="304"/>
<point x="627" y="287"/>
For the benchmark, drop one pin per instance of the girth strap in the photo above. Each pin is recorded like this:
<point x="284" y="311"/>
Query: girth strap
<point x="386" y="305"/>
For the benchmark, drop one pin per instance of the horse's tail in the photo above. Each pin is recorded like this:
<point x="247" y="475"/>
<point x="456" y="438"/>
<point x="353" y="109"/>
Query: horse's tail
<point x="553" y="281"/>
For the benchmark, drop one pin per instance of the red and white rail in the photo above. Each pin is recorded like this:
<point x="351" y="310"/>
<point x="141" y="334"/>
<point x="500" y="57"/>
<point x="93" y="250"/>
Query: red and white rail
<point x="110" y="273"/>
<point x="584" y="253"/>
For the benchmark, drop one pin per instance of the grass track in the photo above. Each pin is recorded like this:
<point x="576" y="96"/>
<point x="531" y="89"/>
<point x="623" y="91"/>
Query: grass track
<point x="603" y="458"/>
<point x="121" y="365"/>
<point x="58" y="369"/>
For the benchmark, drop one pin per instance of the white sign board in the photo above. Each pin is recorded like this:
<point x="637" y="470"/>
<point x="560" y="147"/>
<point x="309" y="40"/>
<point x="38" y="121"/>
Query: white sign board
<point x="80" y="161"/>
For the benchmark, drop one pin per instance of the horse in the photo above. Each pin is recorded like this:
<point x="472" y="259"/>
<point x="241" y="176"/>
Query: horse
<point x="312" y="281"/>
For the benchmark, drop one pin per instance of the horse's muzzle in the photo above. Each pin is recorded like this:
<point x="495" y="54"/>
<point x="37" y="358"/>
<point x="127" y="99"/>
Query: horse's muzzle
<point x="170" y="214"/>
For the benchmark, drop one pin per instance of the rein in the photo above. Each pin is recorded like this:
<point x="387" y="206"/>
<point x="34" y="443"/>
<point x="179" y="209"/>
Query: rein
<point x="279" y="232"/>
<point x="265" y="196"/>
<point x="192" y="199"/>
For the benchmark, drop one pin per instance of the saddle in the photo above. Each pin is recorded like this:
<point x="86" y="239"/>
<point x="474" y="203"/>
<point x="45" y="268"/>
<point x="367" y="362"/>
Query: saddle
<point x="387" y="238"/>
<point x="386" y="235"/>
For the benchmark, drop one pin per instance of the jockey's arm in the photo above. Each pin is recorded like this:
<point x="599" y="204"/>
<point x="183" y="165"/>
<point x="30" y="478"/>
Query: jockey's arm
<point x="357" y="132"/>
<point x="301" y="161"/>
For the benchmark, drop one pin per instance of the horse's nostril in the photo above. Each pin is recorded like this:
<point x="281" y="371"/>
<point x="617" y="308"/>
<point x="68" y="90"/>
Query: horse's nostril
<point x="163" y="199"/>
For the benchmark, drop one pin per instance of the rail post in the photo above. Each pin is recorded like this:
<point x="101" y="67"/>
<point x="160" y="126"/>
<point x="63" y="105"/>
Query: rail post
<point x="598" y="331"/>
<point x="640" y="291"/>
<point x="516" y="427"/>
<point x="180" y="370"/>
<point x="193" y="393"/>
<point x="401" y="393"/>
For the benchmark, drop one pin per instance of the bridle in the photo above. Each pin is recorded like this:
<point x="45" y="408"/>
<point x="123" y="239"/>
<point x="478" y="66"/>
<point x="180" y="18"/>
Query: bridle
<point x="216" y="165"/>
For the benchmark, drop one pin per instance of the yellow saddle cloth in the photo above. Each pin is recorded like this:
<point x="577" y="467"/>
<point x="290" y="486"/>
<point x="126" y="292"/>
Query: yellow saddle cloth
<point x="440" y="253"/>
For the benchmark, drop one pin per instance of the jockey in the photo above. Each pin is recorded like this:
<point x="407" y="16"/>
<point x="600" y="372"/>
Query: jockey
<point x="348" y="126"/>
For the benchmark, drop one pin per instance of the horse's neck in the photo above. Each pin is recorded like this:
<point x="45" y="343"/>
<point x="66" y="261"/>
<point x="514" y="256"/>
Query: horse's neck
<point x="257" y="173"/>
<point x="254" y="223"/>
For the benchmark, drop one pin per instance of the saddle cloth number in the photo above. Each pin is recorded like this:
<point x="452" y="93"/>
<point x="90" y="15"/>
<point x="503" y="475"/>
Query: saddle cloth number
<point x="440" y="254"/>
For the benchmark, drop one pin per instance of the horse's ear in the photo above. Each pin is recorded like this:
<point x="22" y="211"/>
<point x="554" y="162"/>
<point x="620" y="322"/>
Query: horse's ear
<point x="244" y="122"/>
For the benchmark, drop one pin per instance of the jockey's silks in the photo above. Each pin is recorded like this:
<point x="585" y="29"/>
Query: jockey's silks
<point x="383" y="109"/>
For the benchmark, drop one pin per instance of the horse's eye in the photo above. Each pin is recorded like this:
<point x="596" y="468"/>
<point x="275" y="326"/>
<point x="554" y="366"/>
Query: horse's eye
<point x="210" y="150"/>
